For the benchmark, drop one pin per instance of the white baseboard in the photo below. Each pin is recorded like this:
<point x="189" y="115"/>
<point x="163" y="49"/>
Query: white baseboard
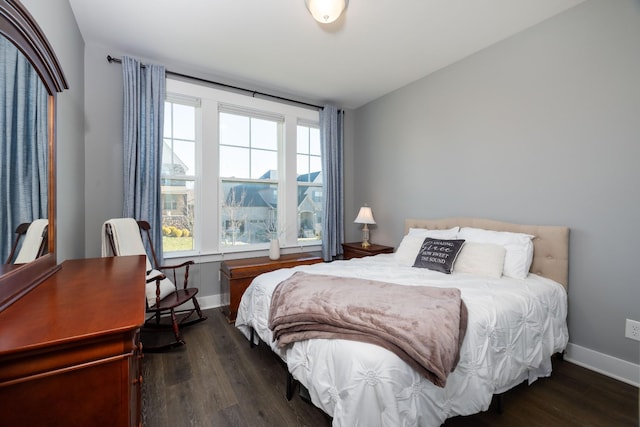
<point x="610" y="366"/>
<point x="206" y="302"/>
<point x="210" y="301"/>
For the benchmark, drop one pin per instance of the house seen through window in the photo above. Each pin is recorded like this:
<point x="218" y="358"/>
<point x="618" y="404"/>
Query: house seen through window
<point x="178" y="177"/>
<point x="310" y="200"/>
<point x="238" y="172"/>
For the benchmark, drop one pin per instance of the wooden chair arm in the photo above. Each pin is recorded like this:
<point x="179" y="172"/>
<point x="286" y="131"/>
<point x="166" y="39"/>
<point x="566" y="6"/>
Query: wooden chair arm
<point x="157" y="278"/>
<point x="174" y="268"/>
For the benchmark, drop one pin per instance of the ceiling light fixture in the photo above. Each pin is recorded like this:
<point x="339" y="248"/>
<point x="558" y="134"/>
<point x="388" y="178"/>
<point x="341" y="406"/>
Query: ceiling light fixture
<point x="326" y="11"/>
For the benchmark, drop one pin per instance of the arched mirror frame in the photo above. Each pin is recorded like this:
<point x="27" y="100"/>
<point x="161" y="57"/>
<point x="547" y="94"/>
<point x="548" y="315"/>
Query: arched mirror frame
<point x="18" y="26"/>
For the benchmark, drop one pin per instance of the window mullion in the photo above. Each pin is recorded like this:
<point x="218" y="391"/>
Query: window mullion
<point x="290" y="193"/>
<point x="208" y="187"/>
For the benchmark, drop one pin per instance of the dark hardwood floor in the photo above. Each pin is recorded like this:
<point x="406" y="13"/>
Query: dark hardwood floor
<point x="218" y="380"/>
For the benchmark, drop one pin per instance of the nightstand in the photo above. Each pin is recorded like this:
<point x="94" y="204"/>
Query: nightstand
<point x="355" y="250"/>
<point x="236" y="275"/>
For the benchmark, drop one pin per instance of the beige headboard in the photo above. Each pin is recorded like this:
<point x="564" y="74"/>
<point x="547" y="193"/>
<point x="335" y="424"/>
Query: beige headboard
<point x="550" y="246"/>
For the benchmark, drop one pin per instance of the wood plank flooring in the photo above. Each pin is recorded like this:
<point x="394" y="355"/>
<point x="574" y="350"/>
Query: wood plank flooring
<point x="218" y="380"/>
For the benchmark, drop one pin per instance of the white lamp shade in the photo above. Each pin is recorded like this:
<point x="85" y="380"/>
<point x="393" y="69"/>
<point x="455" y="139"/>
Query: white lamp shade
<point x="365" y="216"/>
<point x="326" y="11"/>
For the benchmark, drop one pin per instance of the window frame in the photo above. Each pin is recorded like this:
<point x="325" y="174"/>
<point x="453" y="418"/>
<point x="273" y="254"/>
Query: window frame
<point x="310" y="185"/>
<point x="195" y="103"/>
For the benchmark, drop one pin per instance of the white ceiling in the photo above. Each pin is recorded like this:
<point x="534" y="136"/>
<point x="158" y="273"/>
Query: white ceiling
<point x="375" y="47"/>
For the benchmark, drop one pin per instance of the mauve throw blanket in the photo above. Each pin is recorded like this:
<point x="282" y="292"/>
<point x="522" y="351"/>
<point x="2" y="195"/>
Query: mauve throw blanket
<point x="424" y="326"/>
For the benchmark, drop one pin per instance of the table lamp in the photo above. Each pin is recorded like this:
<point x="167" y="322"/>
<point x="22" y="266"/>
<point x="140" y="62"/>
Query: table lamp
<point x="365" y="216"/>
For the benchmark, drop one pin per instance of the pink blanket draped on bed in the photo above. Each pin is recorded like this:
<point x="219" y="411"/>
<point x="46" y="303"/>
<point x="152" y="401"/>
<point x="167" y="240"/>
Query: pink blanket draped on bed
<point x="424" y="326"/>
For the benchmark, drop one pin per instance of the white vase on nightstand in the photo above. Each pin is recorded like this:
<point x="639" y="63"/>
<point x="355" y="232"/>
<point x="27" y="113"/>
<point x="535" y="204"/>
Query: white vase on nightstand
<point x="274" y="249"/>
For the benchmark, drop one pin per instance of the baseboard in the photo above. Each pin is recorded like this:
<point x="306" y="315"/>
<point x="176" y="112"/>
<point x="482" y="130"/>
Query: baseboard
<point x="210" y="301"/>
<point x="206" y="302"/>
<point x="610" y="366"/>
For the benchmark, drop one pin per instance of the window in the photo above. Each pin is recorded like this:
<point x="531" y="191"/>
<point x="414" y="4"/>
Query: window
<point x="238" y="171"/>
<point x="178" y="176"/>
<point x="249" y="177"/>
<point x="309" y="169"/>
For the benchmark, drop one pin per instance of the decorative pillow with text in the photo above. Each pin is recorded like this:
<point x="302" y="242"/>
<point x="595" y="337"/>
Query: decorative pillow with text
<point x="438" y="254"/>
<point x="412" y="242"/>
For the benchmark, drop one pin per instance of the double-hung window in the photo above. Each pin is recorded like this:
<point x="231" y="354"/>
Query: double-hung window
<point x="249" y="156"/>
<point x="178" y="174"/>
<point x="309" y="169"/>
<point x="238" y="171"/>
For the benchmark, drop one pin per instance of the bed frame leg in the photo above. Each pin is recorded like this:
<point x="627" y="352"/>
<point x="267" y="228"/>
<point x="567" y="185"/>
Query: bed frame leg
<point x="499" y="402"/>
<point x="290" y="385"/>
<point x="251" y="336"/>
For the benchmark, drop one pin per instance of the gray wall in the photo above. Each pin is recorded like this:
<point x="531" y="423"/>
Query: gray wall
<point x="103" y="145"/>
<point x="543" y="128"/>
<point x="58" y="23"/>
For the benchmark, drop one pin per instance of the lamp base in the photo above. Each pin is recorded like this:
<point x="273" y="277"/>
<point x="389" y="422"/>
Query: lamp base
<point x="365" y="237"/>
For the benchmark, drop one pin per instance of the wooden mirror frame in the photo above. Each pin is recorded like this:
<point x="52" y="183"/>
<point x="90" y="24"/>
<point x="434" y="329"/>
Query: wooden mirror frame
<point x="18" y="26"/>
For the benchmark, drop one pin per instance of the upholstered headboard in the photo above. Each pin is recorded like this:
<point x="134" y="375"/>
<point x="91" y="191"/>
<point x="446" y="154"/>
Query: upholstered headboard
<point x="550" y="245"/>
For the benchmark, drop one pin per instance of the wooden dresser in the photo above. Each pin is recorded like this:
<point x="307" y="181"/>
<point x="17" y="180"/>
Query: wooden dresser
<point x="236" y="275"/>
<point x="69" y="349"/>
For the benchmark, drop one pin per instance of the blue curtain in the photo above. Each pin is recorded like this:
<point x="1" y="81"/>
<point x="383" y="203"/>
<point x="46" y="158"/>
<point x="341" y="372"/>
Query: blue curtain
<point x="331" y="141"/>
<point x="144" y="96"/>
<point x="24" y="147"/>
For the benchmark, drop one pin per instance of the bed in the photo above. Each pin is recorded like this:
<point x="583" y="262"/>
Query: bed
<point x="515" y="324"/>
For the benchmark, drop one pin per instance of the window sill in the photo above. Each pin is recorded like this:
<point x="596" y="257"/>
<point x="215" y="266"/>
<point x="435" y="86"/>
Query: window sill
<point x="254" y="253"/>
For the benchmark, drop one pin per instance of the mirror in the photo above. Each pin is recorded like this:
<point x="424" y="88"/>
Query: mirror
<point x="23" y="152"/>
<point x="18" y="27"/>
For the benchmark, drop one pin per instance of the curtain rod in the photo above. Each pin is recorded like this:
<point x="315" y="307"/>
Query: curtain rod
<point x="252" y="92"/>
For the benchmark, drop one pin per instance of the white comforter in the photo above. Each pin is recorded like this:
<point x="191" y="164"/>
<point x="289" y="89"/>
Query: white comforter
<point x="514" y="327"/>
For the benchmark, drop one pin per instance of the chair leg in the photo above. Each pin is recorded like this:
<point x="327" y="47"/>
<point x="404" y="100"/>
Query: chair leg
<point x="174" y="323"/>
<point x="157" y="325"/>
<point x="197" y="307"/>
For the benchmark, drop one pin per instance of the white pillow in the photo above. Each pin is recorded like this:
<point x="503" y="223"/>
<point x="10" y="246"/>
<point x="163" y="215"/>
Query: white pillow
<point x="450" y="233"/>
<point x="519" y="247"/>
<point x="411" y="243"/>
<point x="481" y="259"/>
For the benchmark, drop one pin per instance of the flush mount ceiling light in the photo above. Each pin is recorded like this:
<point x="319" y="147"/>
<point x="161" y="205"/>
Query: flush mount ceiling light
<point x="326" y="11"/>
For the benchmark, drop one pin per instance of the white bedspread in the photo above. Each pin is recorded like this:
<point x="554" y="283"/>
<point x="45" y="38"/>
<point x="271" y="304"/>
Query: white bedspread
<point x="514" y="327"/>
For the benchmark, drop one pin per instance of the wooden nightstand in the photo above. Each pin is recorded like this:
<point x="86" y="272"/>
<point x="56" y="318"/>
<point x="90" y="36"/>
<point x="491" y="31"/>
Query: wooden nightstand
<point x="236" y="275"/>
<point x="355" y="250"/>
